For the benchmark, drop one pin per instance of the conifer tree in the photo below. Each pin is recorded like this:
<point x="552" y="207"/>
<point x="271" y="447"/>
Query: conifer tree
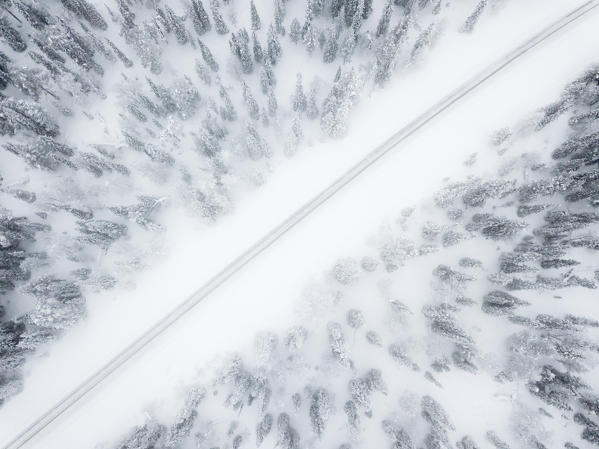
<point x="247" y="62"/>
<point x="37" y="17"/>
<point x="203" y="73"/>
<point x="272" y="103"/>
<point x="256" y="24"/>
<point x="279" y="17"/>
<point x="339" y="101"/>
<point x="350" y="10"/>
<point x="273" y="46"/>
<point x="312" y="107"/>
<point x="124" y="59"/>
<point x="86" y="11"/>
<point x="253" y="142"/>
<point x="177" y="26"/>
<point x="336" y="6"/>
<point x="330" y="48"/>
<point x="257" y="47"/>
<point x="317" y="7"/>
<point x="295" y="32"/>
<point x="383" y="25"/>
<point x="299" y="98"/>
<point x="219" y="22"/>
<point x="348" y="46"/>
<point x="308" y="37"/>
<point x="367" y="9"/>
<point x="267" y="77"/>
<point x="295" y="136"/>
<point x="358" y="17"/>
<point x="471" y="21"/>
<point x="265" y="119"/>
<point x="12" y="36"/>
<point x="240" y="48"/>
<point x="227" y="111"/>
<point x="199" y="17"/>
<point x="208" y="57"/>
<point x="250" y="102"/>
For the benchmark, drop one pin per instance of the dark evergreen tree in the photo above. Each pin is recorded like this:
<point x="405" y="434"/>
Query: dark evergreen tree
<point x="295" y="32"/>
<point x="177" y="26"/>
<point x="21" y="114"/>
<point x="299" y="98"/>
<point x="102" y="233"/>
<point x="317" y="7"/>
<point x="308" y="37"/>
<point x="258" y="52"/>
<point x="162" y="21"/>
<point x="351" y="8"/>
<point x="272" y="103"/>
<point x="245" y="56"/>
<point x="407" y="5"/>
<point x="207" y="143"/>
<point x="4" y="71"/>
<point x="424" y="41"/>
<point x="358" y="17"/>
<point x="207" y="56"/>
<point x="336" y="106"/>
<point x="386" y="54"/>
<point x="251" y="103"/>
<point x="322" y="39"/>
<point x="263" y="428"/>
<point x="124" y="59"/>
<point x="348" y="46"/>
<point x="471" y="21"/>
<point x="273" y="46"/>
<point x="87" y="11"/>
<point x="336" y="6"/>
<point x="219" y="22"/>
<point x="227" y="111"/>
<point x="383" y="25"/>
<point x="79" y="50"/>
<point x="199" y="17"/>
<point x="320" y="409"/>
<point x="256" y="147"/>
<point x="127" y="15"/>
<point x="310" y="13"/>
<point x="265" y="118"/>
<point x="38" y="18"/>
<point x="279" y="17"/>
<point x="11" y="36"/>
<point x="295" y="136"/>
<point x="330" y="48"/>
<point x="267" y="77"/>
<point x="256" y="24"/>
<point x="367" y="9"/>
<point x="49" y="51"/>
<point x="240" y="48"/>
<point x="312" y="107"/>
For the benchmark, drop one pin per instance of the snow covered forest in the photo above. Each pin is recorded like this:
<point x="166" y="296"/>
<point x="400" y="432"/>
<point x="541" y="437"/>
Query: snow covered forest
<point x="123" y="122"/>
<point x="505" y="310"/>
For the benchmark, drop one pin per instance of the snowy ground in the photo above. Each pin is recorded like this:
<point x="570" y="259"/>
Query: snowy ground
<point x="255" y="300"/>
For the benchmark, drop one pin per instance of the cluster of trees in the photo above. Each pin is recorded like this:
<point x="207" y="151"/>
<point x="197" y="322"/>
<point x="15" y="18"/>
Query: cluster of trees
<point x="547" y="353"/>
<point x="193" y="129"/>
<point x="546" y="259"/>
